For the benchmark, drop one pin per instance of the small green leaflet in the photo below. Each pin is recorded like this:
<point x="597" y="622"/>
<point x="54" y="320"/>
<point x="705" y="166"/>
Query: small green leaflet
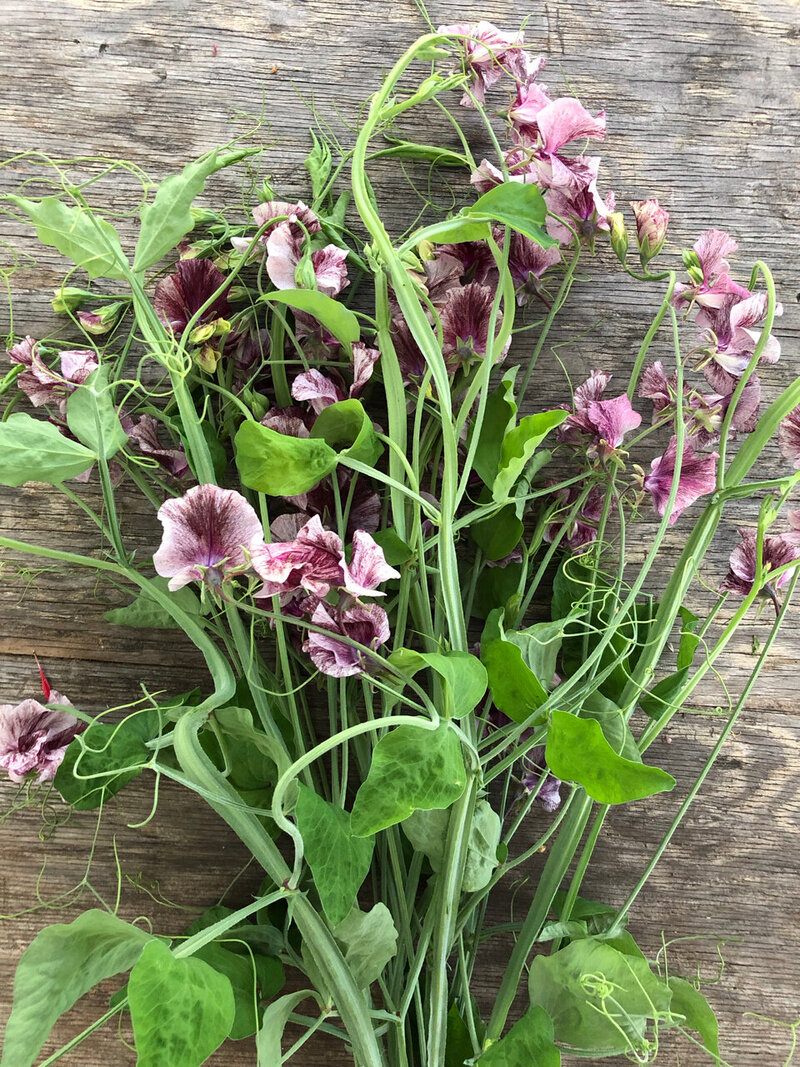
<point x="318" y="164"/>
<point x="518" y="205"/>
<point x="348" y="429"/>
<point x="420" y="153"/>
<point x="246" y="975"/>
<point x="181" y="1009"/>
<point x="335" y="317"/>
<point x="427" y="832"/>
<point x="62" y="963"/>
<point x="92" y="417"/>
<point x="516" y="690"/>
<point x="539" y="645"/>
<point x="693" y="1006"/>
<point x="457" y="230"/>
<point x="529" y="1042"/>
<point x="499" y="417"/>
<point x="498" y="534"/>
<point x="276" y="1016"/>
<point x="412" y="767"/>
<point x="370" y="941"/>
<point x="577" y="751"/>
<point x="279" y="465"/>
<point x="145" y="612"/>
<point x="464" y="676"/>
<point x="518" y="447"/>
<point x="168" y="218"/>
<point x="339" y="861"/>
<point x="32" y="450"/>
<point x="80" y="235"/>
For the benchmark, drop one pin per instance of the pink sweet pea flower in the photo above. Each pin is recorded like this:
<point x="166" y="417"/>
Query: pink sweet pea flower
<point x="298" y="217"/>
<point x="708" y="270"/>
<point x="583" y="529"/>
<point x="313" y="561"/>
<point x="368" y="567"/>
<point x="180" y="295"/>
<point x="319" y="390"/>
<point x="697" y="478"/>
<point x="465" y="325"/>
<point x="34" y="737"/>
<point x="527" y="262"/>
<point x="488" y="53"/>
<point x="776" y="552"/>
<point x="728" y="332"/>
<point x="789" y="437"/>
<point x="604" y="422"/>
<point x="368" y="624"/>
<point x="43" y="385"/>
<point x="703" y="413"/>
<point x="144" y="434"/>
<point x="285" y="255"/>
<point x="579" y="204"/>
<point x="564" y="120"/>
<point x="210" y="534"/>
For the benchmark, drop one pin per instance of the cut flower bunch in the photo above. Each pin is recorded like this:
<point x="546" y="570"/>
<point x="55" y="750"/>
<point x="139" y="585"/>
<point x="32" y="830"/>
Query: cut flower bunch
<point x="427" y="636"/>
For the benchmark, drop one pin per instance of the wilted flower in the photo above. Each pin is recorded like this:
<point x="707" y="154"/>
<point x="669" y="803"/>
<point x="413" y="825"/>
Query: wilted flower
<point x="651" y="228"/>
<point x="604" y="422"/>
<point x="210" y="534"/>
<point x="368" y="624"/>
<point x="527" y="262"/>
<point x="702" y="413"/>
<point x="103" y="320"/>
<point x="789" y="437"/>
<point x="697" y="477"/>
<point x="581" y="207"/>
<point x="179" y="296"/>
<point x="583" y="527"/>
<point x="776" y="552"/>
<point x="34" y="737"/>
<point x="488" y="53"/>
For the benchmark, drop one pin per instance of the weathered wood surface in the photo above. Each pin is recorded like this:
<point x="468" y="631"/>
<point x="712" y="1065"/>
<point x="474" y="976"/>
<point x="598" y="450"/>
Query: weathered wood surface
<point x="704" y="101"/>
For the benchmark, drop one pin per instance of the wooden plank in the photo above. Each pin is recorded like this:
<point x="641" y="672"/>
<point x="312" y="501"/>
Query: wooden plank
<point x="703" y="99"/>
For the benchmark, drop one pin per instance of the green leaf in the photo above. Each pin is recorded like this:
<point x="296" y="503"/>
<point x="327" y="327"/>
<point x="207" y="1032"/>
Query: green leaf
<point x="34" y="451"/>
<point x="699" y="1016"/>
<point x="459" y="229"/>
<point x="370" y="941"/>
<point x="539" y="645"/>
<point x="92" y="417"/>
<point x="80" y="235"/>
<point x="499" y="417"/>
<point x="279" y="465"/>
<point x="499" y="534"/>
<point x="577" y="751"/>
<point x="518" y="447"/>
<point x="62" y="963"/>
<point x="346" y="427"/>
<point x="689" y="639"/>
<point x="662" y="696"/>
<point x="103" y="759"/>
<point x="464" y="676"/>
<point x="600" y="1000"/>
<point x="528" y="1042"/>
<point x="146" y="613"/>
<point x="276" y="1016"/>
<point x="421" y="153"/>
<point x="250" y="981"/>
<point x="254" y="754"/>
<point x="335" y="317"/>
<point x="411" y="768"/>
<point x="427" y="832"/>
<point x="516" y="690"/>
<point x="498" y="587"/>
<point x="168" y="218"/>
<point x="318" y="164"/>
<point x="339" y="861"/>
<point x="395" y="551"/>
<point x="458" y="1044"/>
<point x="181" y="1009"/>
<point x="518" y="205"/>
<point x="612" y="722"/>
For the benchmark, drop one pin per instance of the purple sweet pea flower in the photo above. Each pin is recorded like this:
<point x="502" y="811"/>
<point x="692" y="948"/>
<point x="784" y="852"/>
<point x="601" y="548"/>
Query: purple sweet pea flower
<point x="488" y="52"/>
<point x="731" y="341"/>
<point x="313" y="561"/>
<point x="604" y="422"/>
<point x="368" y="567"/>
<point x="285" y="256"/>
<point x="180" y="295"/>
<point x="789" y="437"/>
<point x="776" y="552"/>
<point x="210" y="534"/>
<point x="298" y="217"/>
<point x="527" y="262"/>
<point x="43" y="385"/>
<point x="34" y="737"/>
<point x="651" y="228"/>
<point x="697" y="478"/>
<point x="578" y="204"/>
<point x="368" y="624"/>
<point x="583" y="530"/>
<point x="703" y="413"/>
<point x="465" y="325"/>
<point x="564" y="120"/>
<point x="537" y="778"/>
<point x="144" y="434"/>
<point x="709" y="272"/>
<point x="319" y="390"/>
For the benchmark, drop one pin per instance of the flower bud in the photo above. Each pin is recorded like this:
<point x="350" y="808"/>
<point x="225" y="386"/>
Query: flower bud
<point x="619" y="235"/>
<point x="694" y="268"/>
<point x="67" y="298"/>
<point x="651" y="228"/>
<point x="103" y="319"/>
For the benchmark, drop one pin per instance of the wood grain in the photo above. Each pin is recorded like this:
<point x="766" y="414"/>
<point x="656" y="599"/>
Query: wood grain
<point x="703" y="98"/>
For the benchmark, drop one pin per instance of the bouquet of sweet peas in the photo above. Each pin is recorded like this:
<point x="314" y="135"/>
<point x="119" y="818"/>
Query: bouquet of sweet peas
<point x="422" y="622"/>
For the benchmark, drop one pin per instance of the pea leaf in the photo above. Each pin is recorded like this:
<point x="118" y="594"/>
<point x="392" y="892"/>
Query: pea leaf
<point x="464" y="676"/>
<point x="80" y="235"/>
<point x="242" y="971"/>
<point x="411" y="768"/>
<point x="103" y="759"/>
<point x="339" y="861"/>
<point x="539" y="645"/>
<point x="597" y="997"/>
<point x="347" y="428"/>
<point x="458" y="1045"/>
<point x="279" y="465"/>
<point x="427" y="832"/>
<point x="529" y="1041"/>
<point x="518" y="205"/>
<point x="699" y="1016"/>
<point x="92" y="417"/>
<point x="370" y="941"/>
<point x="395" y="551"/>
<point x="318" y="164"/>
<point x="145" y="612"/>
<point x="457" y="230"/>
<point x="62" y="963"/>
<point x="181" y="1009"/>
<point x="276" y="1016"/>
<point x="499" y="534"/>
<point x="499" y="417"/>
<point x="577" y="751"/>
<point x="34" y="451"/>
<point x="421" y="153"/>
<point x="335" y="317"/>
<point x="168" y="218"/>
<point x="516" y="690"/>
<point x="518" y="447"/>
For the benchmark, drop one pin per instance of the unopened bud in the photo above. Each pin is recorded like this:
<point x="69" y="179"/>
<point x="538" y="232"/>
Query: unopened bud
<point x="694" y="267"/>
<point x="619" y="235"/>
<point x="651" y="228"/>
<point x="68" y="299"/>
<point x="103" y="319"/>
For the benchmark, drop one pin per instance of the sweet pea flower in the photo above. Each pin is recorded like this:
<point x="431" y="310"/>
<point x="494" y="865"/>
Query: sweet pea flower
<point x="697" y="478"/>
<point x="210" y="535"/>
<point x="144" y="434"/>
<point x="776" y="552"/>
<point x="582" y="207"/>
<point x="34" y="737"/>
<point x="537" y="778"/>
<point x="561" y="121"/>
<point x="527" y="262"/>
<point x="465" y="325"/>
<point x="285" y="261"/>
<point x="604" y="422"/>
<point x="789" y="437"/>
<point x="368" y="624"/>
<point x="320" y="390"/>
<point x="180" y="295"/>
<point x="489" y="53"/>
<point x="731" y="340"/>
<point x="703" y="413"/>
<point x="43" y="385"/>
<point x="583" y="528"/>
<point x="709" y="272"/>
<point x="651" y="228"/>
<point x="299" y="218"/>
<point x="368" y="567"/>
